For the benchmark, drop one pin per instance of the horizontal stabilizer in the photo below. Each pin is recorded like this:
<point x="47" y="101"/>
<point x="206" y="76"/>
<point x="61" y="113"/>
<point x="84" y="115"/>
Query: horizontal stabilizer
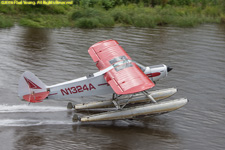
<point x="36" y="97"/>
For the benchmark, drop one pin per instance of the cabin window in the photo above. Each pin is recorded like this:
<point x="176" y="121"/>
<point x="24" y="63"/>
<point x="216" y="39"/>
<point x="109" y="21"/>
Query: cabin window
<point x="120" y="63"/>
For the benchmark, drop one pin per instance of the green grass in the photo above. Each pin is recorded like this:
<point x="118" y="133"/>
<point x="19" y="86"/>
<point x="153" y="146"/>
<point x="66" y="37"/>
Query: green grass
<point x="44" y="21"/>
<point x="6" y="22"/>
<point x="37" y="9"/>
<point x="137" y="15"/>
<point x="92" y="18"/>
<point x="222" y="19"/>
<point x="172" y="16"/>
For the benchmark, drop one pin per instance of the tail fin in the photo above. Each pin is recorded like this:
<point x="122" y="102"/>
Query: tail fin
<point x="31" y="88"/>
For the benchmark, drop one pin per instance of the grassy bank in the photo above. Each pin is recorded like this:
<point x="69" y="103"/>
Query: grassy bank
<point x="169" y="15"/>
<point x="6" y="22"/>
<point x="138" y="15"/>
<point x="44" y="21"/>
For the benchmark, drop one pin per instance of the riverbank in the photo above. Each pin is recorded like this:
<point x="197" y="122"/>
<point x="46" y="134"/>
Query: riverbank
<point x="136" y="15"/>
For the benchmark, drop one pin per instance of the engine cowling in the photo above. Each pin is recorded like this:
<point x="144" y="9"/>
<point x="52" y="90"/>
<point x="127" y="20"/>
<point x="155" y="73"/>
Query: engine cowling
<point x="157" y="72"/>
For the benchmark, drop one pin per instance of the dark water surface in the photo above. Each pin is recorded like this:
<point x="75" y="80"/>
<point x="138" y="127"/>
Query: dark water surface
<point x="196" y="54"/>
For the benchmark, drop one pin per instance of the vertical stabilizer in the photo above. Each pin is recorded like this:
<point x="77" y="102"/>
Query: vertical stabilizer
<point x="31" y="88"/>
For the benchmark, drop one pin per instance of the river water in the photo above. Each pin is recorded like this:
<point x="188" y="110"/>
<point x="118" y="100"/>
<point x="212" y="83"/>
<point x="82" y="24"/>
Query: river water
<point x="196" y="54"/>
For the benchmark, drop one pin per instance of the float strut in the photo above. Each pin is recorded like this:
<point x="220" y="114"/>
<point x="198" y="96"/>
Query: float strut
<point x="149" y="96"/>
<point x="115" y="101"/>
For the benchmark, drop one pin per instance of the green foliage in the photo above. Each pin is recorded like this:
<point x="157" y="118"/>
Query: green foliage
<point x="187" y="21"/>
<point x="87" y="23"/>
<point x="223" y="5"/>
<point x="94" y="22"/>
<point x="212" y="11"/>
<point x="44" y="21"/>
<point x="107" y="4"/>
<point x="30" y="23"/>
<point x="141" y="16"/>
<point x="108" y="13"/>
<point x="176" y="16"/>
<point x="40" y="9"/>
<point x="92" y="18"/>
<point x="5" y="22"/>
<point x="223" y="19"/>
<point x="144" y="21"/>
<point x="86" y="12"/>
<point x="122" y="14"/>
<point x="8" y="9"/>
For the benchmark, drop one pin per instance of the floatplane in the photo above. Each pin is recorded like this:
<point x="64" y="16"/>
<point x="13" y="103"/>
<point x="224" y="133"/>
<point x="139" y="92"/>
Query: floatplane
<point x="128" y="81"/>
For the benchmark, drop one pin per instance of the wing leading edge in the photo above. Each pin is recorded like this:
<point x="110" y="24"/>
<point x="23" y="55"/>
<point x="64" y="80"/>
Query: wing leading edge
<point x="126" y="77"/>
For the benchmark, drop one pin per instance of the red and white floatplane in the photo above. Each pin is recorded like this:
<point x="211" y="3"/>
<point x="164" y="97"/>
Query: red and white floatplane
<point x="128" y="81"/>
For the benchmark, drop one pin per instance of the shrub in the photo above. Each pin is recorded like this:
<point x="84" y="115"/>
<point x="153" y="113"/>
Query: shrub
<point x="92" y="18"/>
<point x="144" y="21"/>
<point x="120" y="16"/>
<point x="212" y="11"/>
<point x="87" y="13"/>
<point x="87" y="23"/>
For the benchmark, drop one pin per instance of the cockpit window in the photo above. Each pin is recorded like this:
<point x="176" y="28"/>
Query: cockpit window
<point x="121" y="62"/>
<point x="143" y="68"/>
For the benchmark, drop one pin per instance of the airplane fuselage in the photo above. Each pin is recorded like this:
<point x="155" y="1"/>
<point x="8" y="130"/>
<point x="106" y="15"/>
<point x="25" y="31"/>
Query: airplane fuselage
<point x="95" y="84"/>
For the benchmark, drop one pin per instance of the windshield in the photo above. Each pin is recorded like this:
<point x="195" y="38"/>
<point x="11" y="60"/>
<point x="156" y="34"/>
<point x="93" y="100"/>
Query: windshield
<point x="122" y="62"/>
<point x="143" y="68"/>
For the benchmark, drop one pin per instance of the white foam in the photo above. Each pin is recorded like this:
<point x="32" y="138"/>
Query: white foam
<point x="27" y="122"/>
<point x="29" y="108"/>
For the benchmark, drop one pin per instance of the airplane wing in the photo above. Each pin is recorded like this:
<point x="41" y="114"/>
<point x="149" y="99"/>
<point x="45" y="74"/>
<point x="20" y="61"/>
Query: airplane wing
<point x="125" y="77"/>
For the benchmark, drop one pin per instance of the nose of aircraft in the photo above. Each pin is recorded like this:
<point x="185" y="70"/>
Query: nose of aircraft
<point x="169" y="69"/>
